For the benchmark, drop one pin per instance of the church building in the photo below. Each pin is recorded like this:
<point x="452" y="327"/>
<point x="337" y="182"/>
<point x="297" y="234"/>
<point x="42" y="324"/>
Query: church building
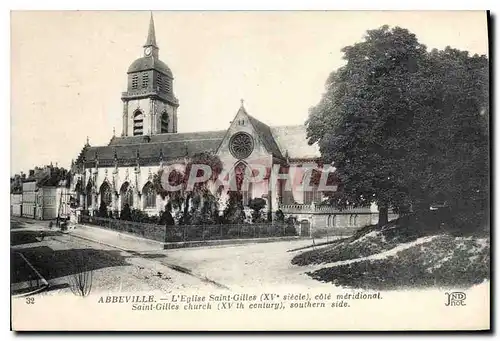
<point x="122" y="171"/>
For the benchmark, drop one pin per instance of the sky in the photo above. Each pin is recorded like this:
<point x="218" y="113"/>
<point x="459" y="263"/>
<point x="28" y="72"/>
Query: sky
<point x="68" y="68"/>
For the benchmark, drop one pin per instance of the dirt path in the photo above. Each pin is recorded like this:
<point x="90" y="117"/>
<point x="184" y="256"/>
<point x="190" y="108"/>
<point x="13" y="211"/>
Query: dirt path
<point x="247" y="266"/>
<point x="377" y="256"/>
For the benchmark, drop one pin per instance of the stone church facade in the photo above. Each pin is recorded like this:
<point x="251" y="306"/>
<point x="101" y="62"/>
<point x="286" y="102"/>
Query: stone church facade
<point x="122" y="171"/>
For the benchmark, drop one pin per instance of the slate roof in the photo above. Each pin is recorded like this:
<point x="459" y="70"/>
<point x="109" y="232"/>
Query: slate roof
<point x="169" y="137"/>
<point x="150" y="63"/>
<point x="292" y="141"/>
<point x="266" y="136"/>
<point x="128" y="150"/>
<point x="280" y="141"/>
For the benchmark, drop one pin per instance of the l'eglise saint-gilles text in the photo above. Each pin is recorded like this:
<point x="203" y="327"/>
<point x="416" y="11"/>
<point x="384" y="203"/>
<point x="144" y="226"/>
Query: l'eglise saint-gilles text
<point x="175" y="301"/>
<point x="193" y="302"/>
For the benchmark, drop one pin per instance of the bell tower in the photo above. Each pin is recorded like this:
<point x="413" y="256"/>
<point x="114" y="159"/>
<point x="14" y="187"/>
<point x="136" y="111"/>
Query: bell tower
<point x="149" y="104"/>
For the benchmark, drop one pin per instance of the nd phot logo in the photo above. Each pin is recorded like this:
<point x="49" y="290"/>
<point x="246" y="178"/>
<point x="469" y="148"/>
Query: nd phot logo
<point x="455" y="299"/>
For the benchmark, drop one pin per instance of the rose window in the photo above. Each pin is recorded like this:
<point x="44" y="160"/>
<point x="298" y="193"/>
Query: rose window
<point x="241" y="145"/>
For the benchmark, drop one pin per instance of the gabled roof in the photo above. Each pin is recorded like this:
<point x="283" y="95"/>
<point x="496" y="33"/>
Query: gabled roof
<point x="264" y="133"/>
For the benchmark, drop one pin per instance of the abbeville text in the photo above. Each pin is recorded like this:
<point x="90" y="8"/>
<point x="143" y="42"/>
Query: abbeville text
<point x="127" y="299"/>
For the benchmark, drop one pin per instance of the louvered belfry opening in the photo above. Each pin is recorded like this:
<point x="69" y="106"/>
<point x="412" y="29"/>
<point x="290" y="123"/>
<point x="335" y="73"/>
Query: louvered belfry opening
<point x="138" y="123"/>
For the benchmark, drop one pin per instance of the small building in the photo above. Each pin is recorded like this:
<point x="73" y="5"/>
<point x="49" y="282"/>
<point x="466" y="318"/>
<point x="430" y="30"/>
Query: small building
<point x="41" y="202"/>
<point x="28" y="201"/>
<point x="52" y="202"/>
<point x="16" y="204"/>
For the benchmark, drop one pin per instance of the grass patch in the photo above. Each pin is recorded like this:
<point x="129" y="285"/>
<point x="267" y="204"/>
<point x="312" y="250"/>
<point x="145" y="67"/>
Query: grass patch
<point x="365" y="242"/>
<point x="446" y="261"/>
<point x="374" y="239"/>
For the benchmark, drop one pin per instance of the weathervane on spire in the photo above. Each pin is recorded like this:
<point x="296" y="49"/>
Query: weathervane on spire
<point x="242" y="102"/>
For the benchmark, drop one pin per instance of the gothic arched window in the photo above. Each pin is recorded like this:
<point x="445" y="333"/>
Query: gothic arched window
<point x="105" y="194"/>
<point x="126" y="195"/>
<point x="164" y="122"/>
<point x="149" y="194"/>
<point x="311" y="193"/>
<point x="88" y="195"/>
<point x="245" y="188"/>
<point x="138" y="123"/>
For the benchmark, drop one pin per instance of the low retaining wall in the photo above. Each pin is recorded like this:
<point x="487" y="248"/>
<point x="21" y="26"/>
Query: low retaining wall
<point x="191" y="233"/>
<point x="178" y="245"/>
<point x="115" y="238"/>
<point x="121" y="239"/>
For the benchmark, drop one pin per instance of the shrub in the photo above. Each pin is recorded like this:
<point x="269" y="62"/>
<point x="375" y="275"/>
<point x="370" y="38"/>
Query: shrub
<point x="126" y="213"/>
<point x="234" y="211"/>
<point x="280" y="217"/>
<point x="166" y="218"/>
<point x="256" y="205"/>
<point x="103" y="210"/>
<point x="140" y="216"/>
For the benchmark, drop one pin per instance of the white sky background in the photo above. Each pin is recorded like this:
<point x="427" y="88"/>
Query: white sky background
<point x="68" y="69"/>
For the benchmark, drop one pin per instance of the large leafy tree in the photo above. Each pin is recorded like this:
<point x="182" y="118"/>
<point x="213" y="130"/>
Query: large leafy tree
<point x="198" y="202"/>
<point x="364" y="113"/>
<point x="395" y="122"/>
<point x="451" y="135"/>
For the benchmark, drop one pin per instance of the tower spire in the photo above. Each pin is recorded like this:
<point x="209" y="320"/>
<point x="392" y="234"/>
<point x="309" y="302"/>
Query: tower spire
<point x="151" y="40"/>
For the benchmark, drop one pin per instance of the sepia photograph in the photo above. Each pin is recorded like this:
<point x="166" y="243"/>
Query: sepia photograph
<point x="250" y="170"/>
